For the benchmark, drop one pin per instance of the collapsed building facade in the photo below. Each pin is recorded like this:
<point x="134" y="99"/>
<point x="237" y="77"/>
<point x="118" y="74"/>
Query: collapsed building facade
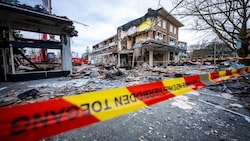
<point x="152" y="38"/>
<point x="16" y="17"/>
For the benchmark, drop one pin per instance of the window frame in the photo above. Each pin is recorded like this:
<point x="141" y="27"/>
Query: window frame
<point x="171" y="28"/>
<point x="164" y="24"/>
<point x="170" y="42"/>
<point x="174" y="30"/>
<point x="159" y="21"/>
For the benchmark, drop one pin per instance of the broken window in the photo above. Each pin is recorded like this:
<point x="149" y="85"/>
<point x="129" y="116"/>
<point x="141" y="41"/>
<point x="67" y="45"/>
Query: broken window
<point x="171" y="28"/>
<point x="172" y="41"/>
<point x="100" y="45"/>
<point x="159" y="21"/>
<point x="164" y="38"/>
<point x="158" y="36"/>
<point x="164" y="24"/>
<point x="154" y="34"/>
<point x="174" y="30"/>
<point x="133" y="42"/>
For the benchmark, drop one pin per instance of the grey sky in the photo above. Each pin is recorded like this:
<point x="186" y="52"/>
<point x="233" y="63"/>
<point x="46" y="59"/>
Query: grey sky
<point x="104" y="16"/>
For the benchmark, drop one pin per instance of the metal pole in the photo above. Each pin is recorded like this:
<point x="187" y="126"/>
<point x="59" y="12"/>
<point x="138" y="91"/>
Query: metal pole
<point x="49" y="6"/>
<point x="133" y="59"/>
<point x="214" y="54"/>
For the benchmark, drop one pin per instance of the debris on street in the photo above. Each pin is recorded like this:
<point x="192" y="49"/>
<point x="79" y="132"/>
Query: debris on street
<point x="218" y="112"/>
<point x="28" y="94"/>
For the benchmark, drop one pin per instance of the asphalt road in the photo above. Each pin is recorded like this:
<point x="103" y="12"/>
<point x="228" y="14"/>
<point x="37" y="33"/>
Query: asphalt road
<point x="201" y="115"/>
<point x="190" y="119"/>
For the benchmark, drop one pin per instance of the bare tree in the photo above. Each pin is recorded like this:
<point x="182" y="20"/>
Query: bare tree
<point x="226" y="18"/>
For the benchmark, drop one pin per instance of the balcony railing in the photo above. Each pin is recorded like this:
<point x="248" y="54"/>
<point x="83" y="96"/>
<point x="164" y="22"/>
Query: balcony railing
<point x="105" y="47"/>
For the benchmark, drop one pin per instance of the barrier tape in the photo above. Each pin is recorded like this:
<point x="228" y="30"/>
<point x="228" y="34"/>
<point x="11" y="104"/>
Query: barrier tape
<point x="202" y="60"/>
<point x="47" y="118"/>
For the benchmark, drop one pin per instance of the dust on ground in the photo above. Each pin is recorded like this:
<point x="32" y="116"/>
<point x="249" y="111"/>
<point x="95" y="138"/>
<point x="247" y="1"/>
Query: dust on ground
<point x="218" y="112"/>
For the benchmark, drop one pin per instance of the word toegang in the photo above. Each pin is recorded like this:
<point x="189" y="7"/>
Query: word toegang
<point x="22" y="124"/>
<point x="47" y="118"/>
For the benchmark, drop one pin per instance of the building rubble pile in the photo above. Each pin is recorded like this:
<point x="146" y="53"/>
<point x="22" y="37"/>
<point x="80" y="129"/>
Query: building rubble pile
<point x="93" y="78"/>
<point x="217" y="112"/>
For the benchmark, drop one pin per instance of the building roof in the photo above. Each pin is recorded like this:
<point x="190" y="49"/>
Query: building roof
<point x="138" y="21"/>
<point x="165" y="14"/>
<point x="152" y="13"/>
<point x="20" y="18"/>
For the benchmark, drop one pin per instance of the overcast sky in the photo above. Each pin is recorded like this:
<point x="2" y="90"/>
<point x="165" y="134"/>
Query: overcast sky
<point x="104" y="16"/>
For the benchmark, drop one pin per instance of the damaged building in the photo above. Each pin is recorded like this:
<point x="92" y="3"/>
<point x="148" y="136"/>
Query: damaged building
<point x="15" y="17"/>
<point x="152" y="38"/>
<point x="106" y="51"/>
<point x="211" y="50"/>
